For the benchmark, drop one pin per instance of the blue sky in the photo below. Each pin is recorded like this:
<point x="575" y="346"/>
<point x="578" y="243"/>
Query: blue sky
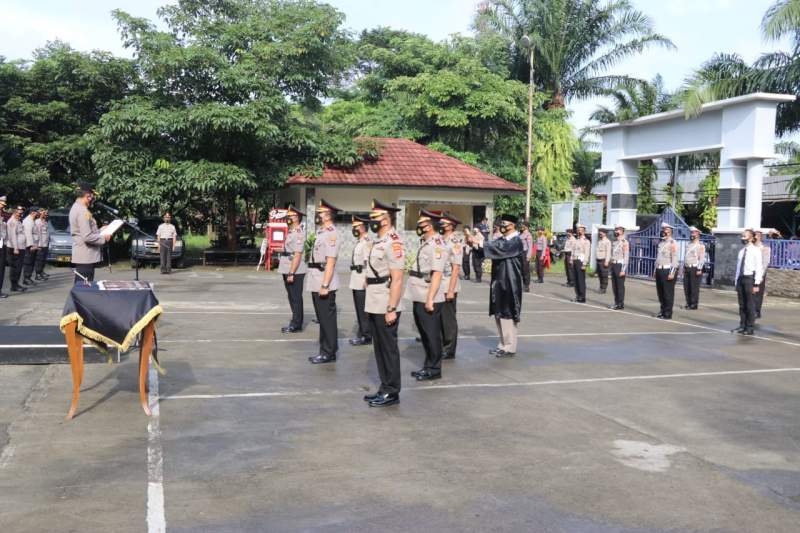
<point x="699" y="28"/>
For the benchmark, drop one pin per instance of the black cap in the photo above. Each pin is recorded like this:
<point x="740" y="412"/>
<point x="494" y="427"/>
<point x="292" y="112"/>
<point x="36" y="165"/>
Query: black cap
<point x="379" y="208"/>
<point x="447" y="217"/>
<point x="602" y="230"/>
<point x="326" y="206"/>
<point x="540" y="228"/>
<point x="570" y="230"/>
<point x="292" y="210"/>
<point x="85" y="187"/>
<point x="357" y="221"/>
<point x="508" y="218"/>
<point x="425" y="215"/>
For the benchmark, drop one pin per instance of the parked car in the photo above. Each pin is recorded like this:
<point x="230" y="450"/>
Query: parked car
<point x="60" y="251"/>
<point x="144" y="250"/>
<point x="557" y="247"/>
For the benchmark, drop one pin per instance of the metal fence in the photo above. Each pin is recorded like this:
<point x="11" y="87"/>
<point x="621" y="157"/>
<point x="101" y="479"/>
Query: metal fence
<point x="784" y="254"/>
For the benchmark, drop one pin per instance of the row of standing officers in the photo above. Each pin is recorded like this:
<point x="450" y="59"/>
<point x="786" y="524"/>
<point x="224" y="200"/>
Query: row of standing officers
<point x="24" y="243"/>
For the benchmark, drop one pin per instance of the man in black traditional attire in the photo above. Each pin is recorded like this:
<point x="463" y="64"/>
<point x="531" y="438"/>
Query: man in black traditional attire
<point x="505" y="294"/>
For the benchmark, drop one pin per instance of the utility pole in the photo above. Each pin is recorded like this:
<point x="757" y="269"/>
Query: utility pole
<point x="527" y="43"/>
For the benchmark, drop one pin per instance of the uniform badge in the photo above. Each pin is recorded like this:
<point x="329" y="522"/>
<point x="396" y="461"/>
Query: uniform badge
<point x="88" y="215"/>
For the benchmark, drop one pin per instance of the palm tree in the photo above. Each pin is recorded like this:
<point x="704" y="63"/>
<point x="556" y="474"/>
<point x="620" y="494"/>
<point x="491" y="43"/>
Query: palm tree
<point x="727" y="75"/>
<point x="575" y="42"/>
<point x="633" y="100"/>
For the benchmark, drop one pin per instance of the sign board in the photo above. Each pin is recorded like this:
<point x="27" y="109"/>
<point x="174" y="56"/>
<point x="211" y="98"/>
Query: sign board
<point x="590" y="213"/>
<point x="561" y="216"/>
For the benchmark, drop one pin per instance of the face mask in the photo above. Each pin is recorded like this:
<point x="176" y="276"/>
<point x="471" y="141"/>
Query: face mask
<point x="663" y="234"/>
<point x="318" y="220"/>
<point x="356" y="233"/>
<point x="420" y="231"/>
<point x="618" y="233"/>
<point x="745" y="241"/>
<point x="441" y="230"/>
<point x="374" y="226"/>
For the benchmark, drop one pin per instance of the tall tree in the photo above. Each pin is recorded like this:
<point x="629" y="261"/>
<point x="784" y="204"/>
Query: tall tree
<point x="633" y="100"/>
<point x="222" y="117"/>
<point x="575" y="42"/>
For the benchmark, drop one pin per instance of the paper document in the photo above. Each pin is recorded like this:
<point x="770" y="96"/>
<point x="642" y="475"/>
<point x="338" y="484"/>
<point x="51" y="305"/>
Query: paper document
<point x="112" y="227"/>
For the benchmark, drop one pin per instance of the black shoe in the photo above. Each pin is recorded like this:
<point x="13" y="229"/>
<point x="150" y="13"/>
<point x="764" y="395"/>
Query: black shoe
<point x="621" y="306"/>
<point x="3" y="295"/>
<point x="427" y="375"/>
<point x="322" y="359"/>
<point x="385" y="400"/>
<point x="740" y="329"/>
<point x="527" y="289"/>
<point x="748" y="332"/>
<point x="371" y="397"/>
<point x="290" y="329"/>
<point x="503" y="353"/>
<point x="415" y="373"/>
<point x="28" y="281"/>
<point x="18" y="289"/>
<point x="758" y="315"/>
<point x="417" y="339"/>
<point x="578" y="300"/>
<point x="570" y="285"/>
<point x="613" y="307"/>
<point x="449" y="356"/>
<point x="540" y="281"/>
<point x="314" y="321"/>
<point x="361" y="341"/>
<point x="37" y="277"/>
<point x="494" y="351"/>
<point x="659" y="315"/>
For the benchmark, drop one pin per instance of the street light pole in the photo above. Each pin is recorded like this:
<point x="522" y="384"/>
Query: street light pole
<point x="526" y="42"/>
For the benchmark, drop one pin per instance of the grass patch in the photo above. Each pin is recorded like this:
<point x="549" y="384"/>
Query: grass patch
<point x="195" y="244"/>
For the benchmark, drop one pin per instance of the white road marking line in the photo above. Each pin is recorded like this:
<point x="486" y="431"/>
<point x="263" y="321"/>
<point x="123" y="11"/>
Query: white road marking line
<point x="287" y="313"/>
<point x="707" y="328"/>
<point x="579" y="381"/>
<point x="462" y="337"/>
<point x="156" y="520"/>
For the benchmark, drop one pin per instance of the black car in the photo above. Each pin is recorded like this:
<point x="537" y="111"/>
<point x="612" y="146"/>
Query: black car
<point x="144" y="250"/>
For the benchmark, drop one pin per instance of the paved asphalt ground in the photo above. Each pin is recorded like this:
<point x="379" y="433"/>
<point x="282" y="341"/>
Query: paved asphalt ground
<point x="605" y="421"/>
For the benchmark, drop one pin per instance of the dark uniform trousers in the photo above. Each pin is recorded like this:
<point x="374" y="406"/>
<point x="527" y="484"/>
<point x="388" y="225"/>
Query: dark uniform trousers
<point x="86" y="270"/>
<point x="602" y="273"/>
<point x="526" y="272"/>
<point x="666" y="291"/>
<point x="295" y="293"/>
<point x="540" y="266"/>
<point x="41" y="259"/>
<point x="618" y="284"/>
<point x="759" y="296"/>
<point x="3" y="255"/>
<point x="165" y="254"/>
<point x="691" y="286"/>
<point x="579" y="277"/>
<point x="30" y="260"/>
<point x="15" y="264"/>
<point x="430" y="330"/>
<point x="477" y="263"/>
<point x="465" y="261"/>
<point x="326" y="315"/>
<point x="359" y="299"/>
<point x="387" y="354"/>
<point x="568" y="268"/>
<point x="747" y="301"/>
<point x="449" y="327"/>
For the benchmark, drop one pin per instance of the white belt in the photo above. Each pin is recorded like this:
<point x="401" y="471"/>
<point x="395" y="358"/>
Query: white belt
<point x="668" y="267"/>
<point x="695" y="265"/>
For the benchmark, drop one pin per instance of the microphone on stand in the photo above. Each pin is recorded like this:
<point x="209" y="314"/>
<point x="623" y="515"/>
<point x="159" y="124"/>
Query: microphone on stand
<point x="108" y="208"/>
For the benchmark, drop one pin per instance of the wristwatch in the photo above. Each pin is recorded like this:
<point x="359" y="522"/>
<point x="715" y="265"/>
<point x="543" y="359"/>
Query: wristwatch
<point x="325" y="286"/>
<point x="391" y="308"/>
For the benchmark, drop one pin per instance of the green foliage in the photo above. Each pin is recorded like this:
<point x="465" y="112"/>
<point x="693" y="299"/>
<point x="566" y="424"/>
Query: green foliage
<point x="585" y="164"/>
<point x="675" y="201"/>
<point x="554" y="147"/>
<point x="708" y="193"/>
<point x="645" y="201"/>
<point x="635" y="99"/>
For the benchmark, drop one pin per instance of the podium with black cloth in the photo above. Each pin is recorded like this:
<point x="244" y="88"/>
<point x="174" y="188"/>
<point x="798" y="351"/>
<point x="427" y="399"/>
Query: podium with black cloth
<point x="110" y="314"/>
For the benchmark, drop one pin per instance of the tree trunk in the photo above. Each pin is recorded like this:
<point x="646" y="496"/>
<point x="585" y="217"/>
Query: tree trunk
<point x="557" y="101"/>
<point x="230" y="224"/>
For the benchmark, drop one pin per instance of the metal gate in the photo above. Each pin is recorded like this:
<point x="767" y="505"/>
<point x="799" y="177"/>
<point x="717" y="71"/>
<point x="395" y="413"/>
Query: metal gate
<point x="644" y="246"/>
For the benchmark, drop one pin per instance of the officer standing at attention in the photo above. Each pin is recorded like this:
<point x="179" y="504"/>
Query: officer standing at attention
<point x="620" y="255"/>
<point x="749" y="275"/>
<point x="87" y="242"/>
<point x="17" y="247"/>
<point x="451" y="284"/>
<point x="766" y="257"/>
<point x="580" y="256"/>
<point x="541" y="253"/>
<point x="167" y="235"/>
<point x="293" y="268"/>
<point x="423" y="290"/>
<point x="569" y="245"/>
<point x="603" y="258"/>
<point x="693" y="261"/>
<point x="323" y="282"/>
<point x="32" y="241"/>
<point x="358" y="279"/>
<point x="43" y="230"/>
<point x="385" y="265"/>
<point x="3" y="248"/>
<point x="467" y="252"/>
<point x="666" y="268"/>
<point x="478" y="241"/>
<point x="527" y="244"/>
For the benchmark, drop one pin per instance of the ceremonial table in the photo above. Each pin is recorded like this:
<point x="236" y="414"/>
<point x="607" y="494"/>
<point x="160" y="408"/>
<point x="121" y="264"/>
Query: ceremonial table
<point x="110" y="314"/>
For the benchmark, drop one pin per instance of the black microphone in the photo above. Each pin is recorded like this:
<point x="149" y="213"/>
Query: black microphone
<point x="107" y="207"/>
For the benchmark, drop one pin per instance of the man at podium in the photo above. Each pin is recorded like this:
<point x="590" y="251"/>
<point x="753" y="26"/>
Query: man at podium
<point x="87" y="241"/>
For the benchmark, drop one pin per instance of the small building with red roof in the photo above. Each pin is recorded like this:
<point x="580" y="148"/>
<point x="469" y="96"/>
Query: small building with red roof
<point x="409" y="175"/>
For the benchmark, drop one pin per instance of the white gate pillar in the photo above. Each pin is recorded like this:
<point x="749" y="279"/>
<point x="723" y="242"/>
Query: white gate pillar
<point x="755" y="189"/>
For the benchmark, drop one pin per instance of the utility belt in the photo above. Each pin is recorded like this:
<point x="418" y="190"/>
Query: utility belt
<point x="317" y="266"/>
<point x="692" y="266"/>
<point x="357" y="268"/>
<point x="667" y="267"/>
<point x="285" y="254"/>
<point x="379" y="280"/>
<point x="424" y="276"/>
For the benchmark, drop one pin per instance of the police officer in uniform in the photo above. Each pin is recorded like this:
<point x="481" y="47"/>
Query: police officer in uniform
<point x="620" y="255"/>
<point x="3" y="247"/>
<point x="32" y="240"/>
<point x="358" y="279"/>
<point x="385" y="265"/>
<point x="603" y="259"/>
<point x="87" y="242"/>
<point x="749" y="274"/>
<point x="424" y="281"/>
<point x="580" y="256"/>
<point x="17" y="248"/>
<point x="466" y="250"/>
<point x="451" y="284"/>
<point x="569" y="244"/>
<point x="43" y="230"/>
<point x="693" y="262"/>
<point x="766" y="257"/>
<point x="541" y="253"/>
<point x="666" y="268"/>
<point x="323" y="282"/>
<point x="293" y="268"/>
<point x="527" y="242"/>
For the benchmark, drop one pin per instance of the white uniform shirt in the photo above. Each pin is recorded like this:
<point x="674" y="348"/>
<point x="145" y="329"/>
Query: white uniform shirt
<point x="358" y="280"/>
<point x="31" y="235"/>
<point x="166" y="231"/>
<point x="387" y="253"/>
<point x="326" y="245"/>
<point x="752" y="263"/>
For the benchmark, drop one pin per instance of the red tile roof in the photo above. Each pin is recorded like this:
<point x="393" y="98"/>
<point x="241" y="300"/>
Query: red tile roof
<point x="404" y="163"/>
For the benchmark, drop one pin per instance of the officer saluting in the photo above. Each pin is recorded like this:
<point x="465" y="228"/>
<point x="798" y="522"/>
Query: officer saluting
<point x="87" y="242"/>
<point x="693" y="262"/>
<point x="323" y="282"/>
<point x="385" y="265"/>
<point x="451" y="283"/>
<point x="293" y="268"/>
<point x="620" y="255"/>
<point x="358" y="279"/>
<point x="666" y="267"/>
